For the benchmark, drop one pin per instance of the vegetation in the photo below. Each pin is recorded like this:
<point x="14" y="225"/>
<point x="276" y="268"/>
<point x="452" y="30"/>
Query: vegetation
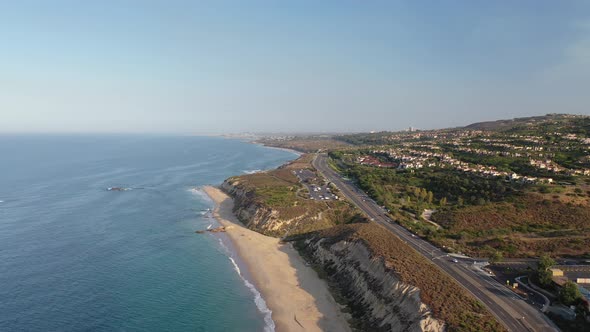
<point x="445" y="297"/>
<point x="281" y="191"/>
<point x="496" y="257"/>
<point x="510" y="188"/>
<point x="521" y="124"/>
<point x="543" y="272"/>
<point x="569" y="293"/>
<point x="478" y="216"/>
<point x="304" y="144"/>
<point x="578" y="324"/>
<point x="506" y="187"/>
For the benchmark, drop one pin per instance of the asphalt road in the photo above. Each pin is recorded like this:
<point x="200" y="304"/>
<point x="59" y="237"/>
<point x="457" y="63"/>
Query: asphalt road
<point x="514" y="313"/>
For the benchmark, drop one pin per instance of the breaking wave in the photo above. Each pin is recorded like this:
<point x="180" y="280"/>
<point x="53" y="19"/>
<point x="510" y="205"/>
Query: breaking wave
<point x="201" y="194"/>
<point x="258" y="300"/>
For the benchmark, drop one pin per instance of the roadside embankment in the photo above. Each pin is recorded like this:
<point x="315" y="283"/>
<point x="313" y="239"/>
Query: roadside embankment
<point x="389" y="286"/>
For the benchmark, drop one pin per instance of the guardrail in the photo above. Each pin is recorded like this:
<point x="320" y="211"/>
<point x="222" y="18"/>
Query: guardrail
<point x="547" y="302"/>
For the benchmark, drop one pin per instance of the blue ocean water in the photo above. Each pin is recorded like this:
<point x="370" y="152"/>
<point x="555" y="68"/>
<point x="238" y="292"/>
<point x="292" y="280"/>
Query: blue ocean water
<point x="76" y="257"/>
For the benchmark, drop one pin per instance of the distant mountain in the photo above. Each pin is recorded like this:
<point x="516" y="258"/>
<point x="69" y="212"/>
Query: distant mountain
<point x="502" y="125"/>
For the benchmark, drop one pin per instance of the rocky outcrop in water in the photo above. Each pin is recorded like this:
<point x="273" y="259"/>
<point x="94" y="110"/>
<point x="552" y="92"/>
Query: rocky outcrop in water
<point x="220" y="229"/>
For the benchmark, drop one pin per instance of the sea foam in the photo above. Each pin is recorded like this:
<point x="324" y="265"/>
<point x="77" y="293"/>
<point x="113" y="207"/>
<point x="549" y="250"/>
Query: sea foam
<point x="258" y="300"/>
<point x="252" y="171"/>
<point x="201" y="194"/>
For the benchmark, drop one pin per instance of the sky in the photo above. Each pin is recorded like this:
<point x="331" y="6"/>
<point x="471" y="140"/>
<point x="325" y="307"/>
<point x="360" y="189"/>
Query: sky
<point x="212" y="67"/>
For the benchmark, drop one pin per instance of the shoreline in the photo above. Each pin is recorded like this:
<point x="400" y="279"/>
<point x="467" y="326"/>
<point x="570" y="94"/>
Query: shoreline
<point x="293" y="151"/>
<point x="298" y="298"/>
<point x="255" y="142"/>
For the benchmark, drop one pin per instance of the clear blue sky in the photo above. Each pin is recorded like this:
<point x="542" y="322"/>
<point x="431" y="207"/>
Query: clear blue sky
<point x="192" y="67"/>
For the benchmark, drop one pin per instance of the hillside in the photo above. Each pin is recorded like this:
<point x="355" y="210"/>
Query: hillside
<point x="275" y="203"/>
<point x="500" y="125"/>
<point x="385" y="284"/>
<point x="390" y="273"/>
<point x="526" y="227"/>
<point x="550" y="124"/>
<point x="520" y="187"/>
<point x="305" y="144"/>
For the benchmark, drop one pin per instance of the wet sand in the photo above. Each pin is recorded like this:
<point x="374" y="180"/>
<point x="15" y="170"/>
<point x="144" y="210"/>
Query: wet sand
<point x="298" y="298"/>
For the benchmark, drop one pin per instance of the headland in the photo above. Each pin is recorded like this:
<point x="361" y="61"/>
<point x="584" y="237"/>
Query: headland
<point x="298" y="298"/>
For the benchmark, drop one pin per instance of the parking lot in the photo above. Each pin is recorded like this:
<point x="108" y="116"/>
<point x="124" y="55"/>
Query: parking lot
<point x="317" y="189"/>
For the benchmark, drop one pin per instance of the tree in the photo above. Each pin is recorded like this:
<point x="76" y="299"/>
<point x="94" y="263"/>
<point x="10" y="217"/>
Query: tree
<point x="417" y="192"/>
<point x="460" y="201"/>
<point x="496" y="257"/>
<point x="543" y="272"/>
<point x="423" y="194"/>
<point x="418" y="209"/>
<point x="569" y="293"/>
<point x="443" y="201"/>
<point x="430" y="197"/>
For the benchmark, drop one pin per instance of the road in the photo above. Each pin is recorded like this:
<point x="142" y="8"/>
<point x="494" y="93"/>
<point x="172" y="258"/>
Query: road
<point x="514" y="313"/>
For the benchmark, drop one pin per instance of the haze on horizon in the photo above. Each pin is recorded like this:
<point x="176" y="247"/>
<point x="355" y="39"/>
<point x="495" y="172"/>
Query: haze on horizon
<point x="277" y="66"/>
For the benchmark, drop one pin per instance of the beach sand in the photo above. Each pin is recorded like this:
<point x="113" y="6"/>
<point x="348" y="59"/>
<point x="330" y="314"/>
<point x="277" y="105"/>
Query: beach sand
<point x="298" y="298"/>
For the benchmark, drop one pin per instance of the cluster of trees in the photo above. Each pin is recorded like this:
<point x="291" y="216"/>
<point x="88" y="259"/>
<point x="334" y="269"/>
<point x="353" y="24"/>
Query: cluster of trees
<point x="417" y="199"/>
<point x="569" y="293"/>
<point x="366" y="138"/>
<point x="422" y="195"/>
<point x="420" y="189"/>
<point x="465" y="189"/>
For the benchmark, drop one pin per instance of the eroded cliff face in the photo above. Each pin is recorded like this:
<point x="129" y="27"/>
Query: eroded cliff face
<point x="378" y="299"/>
<point x="260" y="217"/>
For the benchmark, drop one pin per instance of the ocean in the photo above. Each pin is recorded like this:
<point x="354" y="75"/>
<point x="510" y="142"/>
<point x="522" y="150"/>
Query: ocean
<point x="75" y="256"/>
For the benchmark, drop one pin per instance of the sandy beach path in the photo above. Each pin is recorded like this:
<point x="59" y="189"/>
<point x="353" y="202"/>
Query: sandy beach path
<point x="298" y="298"/>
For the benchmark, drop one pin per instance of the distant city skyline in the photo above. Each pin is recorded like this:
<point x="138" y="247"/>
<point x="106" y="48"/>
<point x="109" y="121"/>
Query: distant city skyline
<point x="186" y="67"/>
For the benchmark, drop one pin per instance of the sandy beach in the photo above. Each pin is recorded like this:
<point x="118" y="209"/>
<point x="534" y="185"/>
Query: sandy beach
<point x="298" y="298"/>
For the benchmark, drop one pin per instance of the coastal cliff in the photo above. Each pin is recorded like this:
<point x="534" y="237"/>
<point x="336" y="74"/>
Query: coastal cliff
<point x="379" y="300"/>
<point x="385" y="284"/>
<point x="259" y="216"/>
<point x="275" y="204"/>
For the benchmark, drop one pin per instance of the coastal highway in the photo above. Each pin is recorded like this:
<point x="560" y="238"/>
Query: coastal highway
<point x="510" y="310"/>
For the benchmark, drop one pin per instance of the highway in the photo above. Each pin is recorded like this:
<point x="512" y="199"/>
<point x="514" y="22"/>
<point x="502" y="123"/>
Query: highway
<point x="510" y="310"/>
